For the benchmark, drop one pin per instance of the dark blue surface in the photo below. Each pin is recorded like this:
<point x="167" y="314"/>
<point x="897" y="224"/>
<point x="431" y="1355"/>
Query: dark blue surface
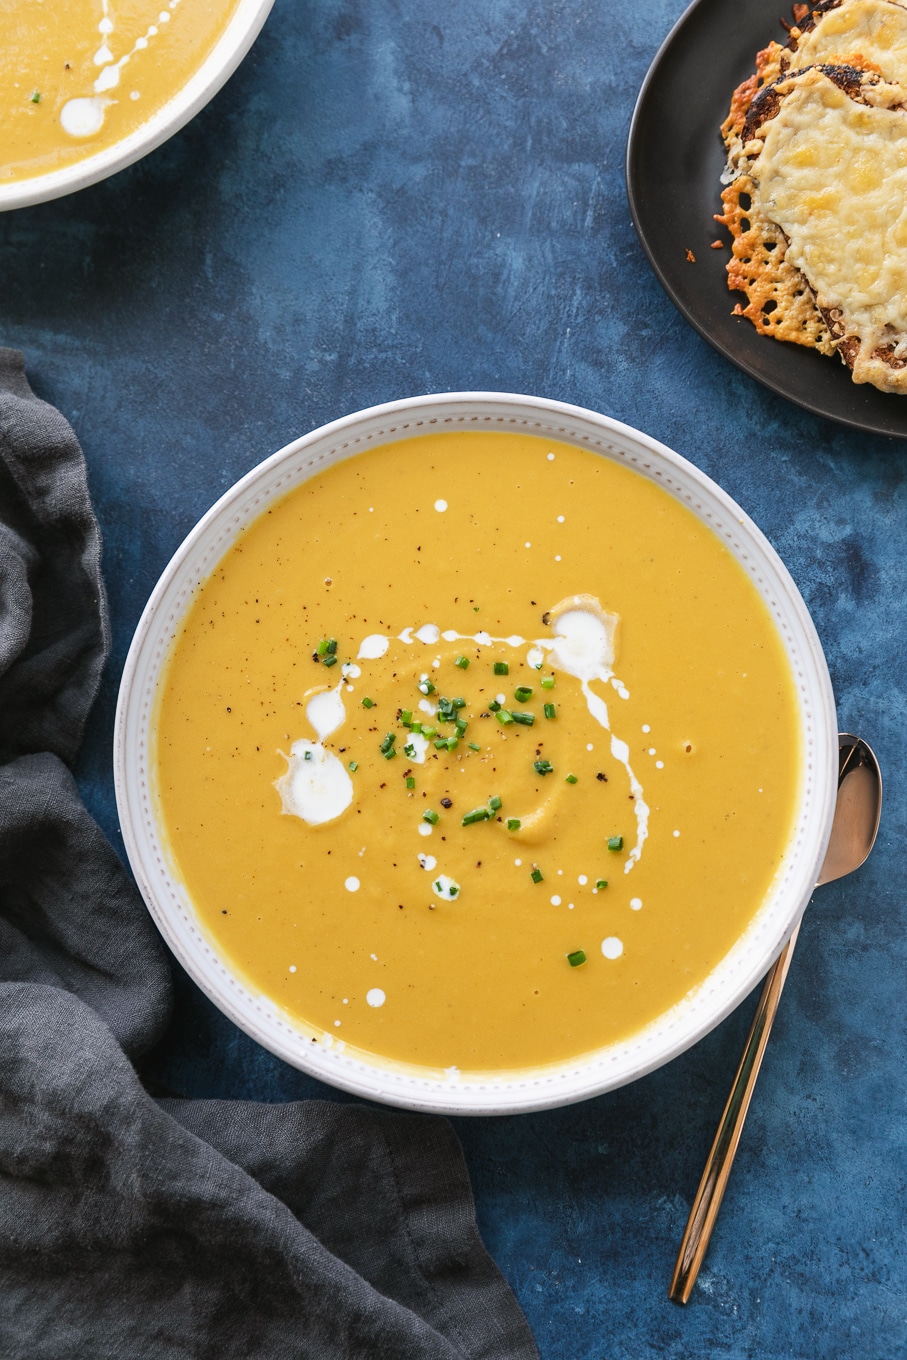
<point x="388" y="200"/>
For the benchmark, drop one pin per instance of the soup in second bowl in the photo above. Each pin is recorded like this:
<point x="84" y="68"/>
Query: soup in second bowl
<point x="79" y="76"/>
<point x="477" y="752"/>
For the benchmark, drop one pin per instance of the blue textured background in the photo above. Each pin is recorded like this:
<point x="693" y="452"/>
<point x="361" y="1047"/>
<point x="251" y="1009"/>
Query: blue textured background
<point x="387" y="200"/>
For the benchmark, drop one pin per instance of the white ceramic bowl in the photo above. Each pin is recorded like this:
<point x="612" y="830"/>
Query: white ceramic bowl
<point x="419" y="1088"/>
<point x="222" y="61"/>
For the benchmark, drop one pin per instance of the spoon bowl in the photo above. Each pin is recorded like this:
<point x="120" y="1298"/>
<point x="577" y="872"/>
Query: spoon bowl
<point x="858" y="809"/>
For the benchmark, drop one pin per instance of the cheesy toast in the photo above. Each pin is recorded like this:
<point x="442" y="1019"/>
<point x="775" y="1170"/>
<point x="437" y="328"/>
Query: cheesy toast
<point x="816" y="196"/>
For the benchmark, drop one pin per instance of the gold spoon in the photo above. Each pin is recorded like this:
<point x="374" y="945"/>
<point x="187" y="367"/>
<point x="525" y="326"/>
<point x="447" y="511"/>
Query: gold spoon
<point x="857" y="812"/>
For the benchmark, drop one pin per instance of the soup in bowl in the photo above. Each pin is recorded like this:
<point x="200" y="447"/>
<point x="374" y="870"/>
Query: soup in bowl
<point x="476" y="753"/>
<point x="89" y="86"/>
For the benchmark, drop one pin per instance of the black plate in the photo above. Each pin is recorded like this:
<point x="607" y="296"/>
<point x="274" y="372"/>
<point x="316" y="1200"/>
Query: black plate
<point x="674" y="161"/>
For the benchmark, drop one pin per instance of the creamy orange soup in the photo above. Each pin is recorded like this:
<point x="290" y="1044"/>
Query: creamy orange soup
<point x="76" y="76"/>
<point x="477" y="752"/>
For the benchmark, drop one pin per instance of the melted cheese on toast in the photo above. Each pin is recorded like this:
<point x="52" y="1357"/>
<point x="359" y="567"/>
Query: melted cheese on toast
<point x="873" y="30"/>
<point x="831" y="172"/>
<point x="816" y="201"/>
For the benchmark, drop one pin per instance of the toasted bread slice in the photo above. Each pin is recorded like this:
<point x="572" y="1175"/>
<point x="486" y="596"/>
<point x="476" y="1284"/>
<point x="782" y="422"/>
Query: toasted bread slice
<point x="817" y="204"/>
<point x="825" y="149"/>
<point x="867" y="35"/>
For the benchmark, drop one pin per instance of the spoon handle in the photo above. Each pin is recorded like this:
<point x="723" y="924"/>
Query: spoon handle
<point x="718" y="1167"/>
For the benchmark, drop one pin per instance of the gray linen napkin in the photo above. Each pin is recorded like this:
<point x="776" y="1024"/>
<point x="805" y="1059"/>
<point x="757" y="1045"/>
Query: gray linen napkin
<point x="138" y="1228"/>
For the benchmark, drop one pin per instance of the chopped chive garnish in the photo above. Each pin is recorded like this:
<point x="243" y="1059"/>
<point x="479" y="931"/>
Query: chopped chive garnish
<point x="453" y="890"/>
<point x="461" y="726"/>
<point x="409" y="751"/>
<point x="415" y="727"/>
<point x="495" y="803"/>
<point x="615" y="842"/>
<point x="462" y="662"/>
<point x="426" y="686"/>
<point x="327" y="647"/>
<point x="477" y="815"/>
<point x="503" y="717"/>
<point x="525" y="719"/>
<point x="513" y="823"/>
<point x="332" y="646"/>
<point x="494" y="706"/>
<point x="308" y="755"/>
<point x="547" y="682"/>
<point x="542" y="766"/>
<point x="570" y="779"/>
<point x="410" y="782"/>
<point x="354" y="766"/>
<point x="389" y="753"/>
<point x="430" y="817"/>
<point x="388" y="742"/>
<point x="428" y="731"/>
<point x="473" y="747"/>
<point x="501" y="668"/>
<point x="536" y="875"/>
<point x="452" y="743"/>
<point x="440" y="743"/>
<point x="601" y="883"/>
<point x="368" y="703"/>
<point x="550" y="711"/>
<point x="458" y="703"/>
<point x="330" y="661"/>
<point x="36" y="97"/>
<point x="406" y="717"/>
<point x="522" y="693"/>
<point x="576" y="958"/>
